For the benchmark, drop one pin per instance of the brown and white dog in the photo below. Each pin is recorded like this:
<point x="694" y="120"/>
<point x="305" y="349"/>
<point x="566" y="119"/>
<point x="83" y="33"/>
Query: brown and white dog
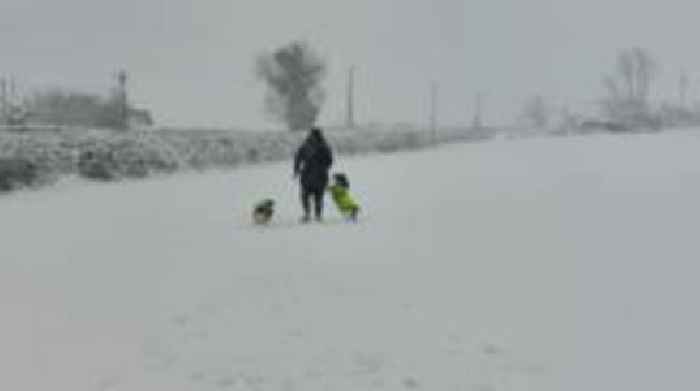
<point x="263" y="212"/>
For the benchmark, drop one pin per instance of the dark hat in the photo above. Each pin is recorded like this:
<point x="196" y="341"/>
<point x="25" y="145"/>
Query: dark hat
<point x="316" y="134"/>
<point x="316" y="131"/>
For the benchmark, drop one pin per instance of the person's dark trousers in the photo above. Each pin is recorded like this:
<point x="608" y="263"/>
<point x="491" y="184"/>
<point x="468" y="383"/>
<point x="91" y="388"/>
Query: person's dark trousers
<point x="317" y="195"/>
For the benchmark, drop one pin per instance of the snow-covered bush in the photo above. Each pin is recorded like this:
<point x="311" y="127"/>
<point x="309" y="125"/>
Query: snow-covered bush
<point x="97" y="164"/>
<point x="16" y="173"/>
<point x="105" y="155"/>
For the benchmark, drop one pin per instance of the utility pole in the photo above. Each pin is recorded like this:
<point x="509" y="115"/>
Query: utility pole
<point x="3" y="100"/>
<point x="11" y="104"/>
<point x="13" y="89"/>
<point x="433" y="110"/>
<point x="123" y="103"/>
<point x="478" y="103"/>
<point x="350" y="120"/>
<point x="683" y="87"/>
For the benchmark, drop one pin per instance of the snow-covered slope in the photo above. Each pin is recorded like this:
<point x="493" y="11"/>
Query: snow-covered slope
<point x="560" y="264"/>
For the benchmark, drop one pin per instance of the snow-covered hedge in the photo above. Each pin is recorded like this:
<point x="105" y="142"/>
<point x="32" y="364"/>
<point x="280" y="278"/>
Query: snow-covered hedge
<point x="105" y="155"/>
<point x="16" y="173"/>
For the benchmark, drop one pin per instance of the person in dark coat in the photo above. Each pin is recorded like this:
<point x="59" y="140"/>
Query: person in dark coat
<point x="312" y="162"/>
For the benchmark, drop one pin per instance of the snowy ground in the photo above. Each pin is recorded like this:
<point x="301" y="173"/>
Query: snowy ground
<point x="559" y="264"/>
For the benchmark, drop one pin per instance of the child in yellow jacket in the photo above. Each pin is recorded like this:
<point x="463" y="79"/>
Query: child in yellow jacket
<point x="340" y="191"/>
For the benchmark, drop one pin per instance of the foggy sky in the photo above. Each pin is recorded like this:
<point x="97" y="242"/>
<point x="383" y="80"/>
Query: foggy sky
<point x="191" y="62"/>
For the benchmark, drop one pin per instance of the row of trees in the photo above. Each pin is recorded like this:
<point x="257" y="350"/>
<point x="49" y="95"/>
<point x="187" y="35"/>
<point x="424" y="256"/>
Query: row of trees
<point x="627" y="103"/>
<point x="294" y="74"/>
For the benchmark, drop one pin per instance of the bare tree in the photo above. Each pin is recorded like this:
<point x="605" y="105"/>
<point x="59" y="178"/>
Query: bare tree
<point x="536" y="112"/>
<point x="293" y="74"/>
<point x="629" y="86"/>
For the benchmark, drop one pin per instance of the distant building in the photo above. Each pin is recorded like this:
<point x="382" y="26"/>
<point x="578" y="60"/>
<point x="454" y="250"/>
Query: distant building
<point x="17" y="114"/>
<point x="139" y="118"/>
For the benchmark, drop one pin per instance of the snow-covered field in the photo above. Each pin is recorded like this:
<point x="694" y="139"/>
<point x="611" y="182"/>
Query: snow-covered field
<point x="553" y="264"/>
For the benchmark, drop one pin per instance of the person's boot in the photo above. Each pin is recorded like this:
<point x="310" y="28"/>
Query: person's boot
<point x="318" y="213"/>
<point x="305" y="219"/>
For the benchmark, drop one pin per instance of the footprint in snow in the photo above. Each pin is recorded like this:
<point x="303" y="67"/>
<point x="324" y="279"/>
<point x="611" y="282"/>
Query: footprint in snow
<point x="490" y="349"/>
<point x="226" y="381"/>
<point x="410" y="383"/>
<point x="199" y="335"/>
<point x="158" y="356"/>
<point x="108" y="383"/>
<point x="198" y="376"/>
<point x="181" y="320"/>
<point x="368" y="363"/>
